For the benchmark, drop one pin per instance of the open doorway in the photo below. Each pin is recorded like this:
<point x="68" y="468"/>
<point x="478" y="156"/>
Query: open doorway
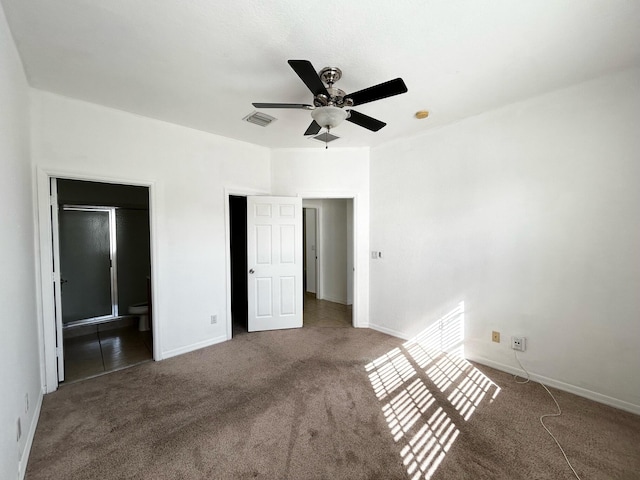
<point x="328" y="251"/>
<point x="102" y="231"/>
<point x="328" y="292"/>
<point x="238" y="263"/>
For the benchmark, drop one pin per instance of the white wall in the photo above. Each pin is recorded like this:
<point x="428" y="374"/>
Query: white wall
<point x="531" y="216"/>
<point x="189" y="171"/>
<point x="19" y="346"/>
<point x="333" y="173"/>
<point x="334" y="250"/>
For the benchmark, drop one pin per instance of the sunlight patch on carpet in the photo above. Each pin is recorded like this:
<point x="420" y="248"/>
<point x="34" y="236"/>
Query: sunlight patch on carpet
<point x="402" y="378"/>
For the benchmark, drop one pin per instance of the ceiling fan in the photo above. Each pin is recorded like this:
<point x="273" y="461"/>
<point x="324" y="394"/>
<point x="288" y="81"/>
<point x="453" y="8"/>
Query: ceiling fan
<point x="330" y="104"/>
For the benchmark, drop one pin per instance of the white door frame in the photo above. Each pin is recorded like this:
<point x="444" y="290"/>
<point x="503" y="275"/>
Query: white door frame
<point x="44" y="265"/>
<point x="57" y="280"/>
<point x="319" y="245"/>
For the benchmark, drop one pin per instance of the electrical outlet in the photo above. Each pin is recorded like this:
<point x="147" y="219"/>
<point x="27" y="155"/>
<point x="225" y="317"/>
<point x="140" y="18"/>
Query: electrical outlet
<point x="518" y="343"/>
<point x="214" y="319"/>
<point x="495" y="336"/>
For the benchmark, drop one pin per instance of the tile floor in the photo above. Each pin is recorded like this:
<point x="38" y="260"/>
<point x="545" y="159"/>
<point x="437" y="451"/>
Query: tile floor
<point x="322" y="313"/>
<point x="317" y="313"/>
<point x="105" y="350"/>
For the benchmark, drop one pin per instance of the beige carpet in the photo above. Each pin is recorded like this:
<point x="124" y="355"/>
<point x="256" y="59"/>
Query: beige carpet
<point x="323" y="403"/>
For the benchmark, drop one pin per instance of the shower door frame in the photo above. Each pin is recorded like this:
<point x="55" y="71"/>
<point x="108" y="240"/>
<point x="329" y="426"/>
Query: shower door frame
<point x="113" y="252"/>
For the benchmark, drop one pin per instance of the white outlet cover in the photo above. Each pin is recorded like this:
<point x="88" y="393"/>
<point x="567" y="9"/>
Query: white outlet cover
<point x="518" y="343"/>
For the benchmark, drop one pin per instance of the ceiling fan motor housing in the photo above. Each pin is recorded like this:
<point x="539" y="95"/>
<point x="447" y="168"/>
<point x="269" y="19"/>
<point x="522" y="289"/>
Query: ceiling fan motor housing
<point x="336" y="98"/>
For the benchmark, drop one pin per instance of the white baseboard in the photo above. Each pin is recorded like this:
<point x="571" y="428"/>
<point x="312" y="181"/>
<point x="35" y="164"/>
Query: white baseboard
<point x="24" y="459"/>
<point x="567" y="387"/>
<point x="193" y="346"/>
<point x="389" y="331"/>
<point x="330" y="298"/>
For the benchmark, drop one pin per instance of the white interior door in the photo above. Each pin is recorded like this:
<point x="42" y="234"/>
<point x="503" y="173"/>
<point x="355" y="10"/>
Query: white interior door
<point x="274" y="260"/>
<point x="57" y="284"/>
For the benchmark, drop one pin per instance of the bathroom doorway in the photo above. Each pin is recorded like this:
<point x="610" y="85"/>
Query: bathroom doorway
<point x="103" y="238"/>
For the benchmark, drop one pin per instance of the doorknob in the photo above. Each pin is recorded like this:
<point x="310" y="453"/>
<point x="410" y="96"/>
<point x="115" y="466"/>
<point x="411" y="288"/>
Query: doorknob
<point x="252" y="271"/>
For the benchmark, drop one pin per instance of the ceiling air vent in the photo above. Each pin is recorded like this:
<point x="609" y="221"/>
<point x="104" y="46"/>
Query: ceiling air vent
<point x="258" y="118"/>
<point x="325" y="137"/>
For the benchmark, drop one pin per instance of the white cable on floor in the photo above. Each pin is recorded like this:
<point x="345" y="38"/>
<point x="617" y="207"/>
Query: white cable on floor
<point x="515" y="353"/>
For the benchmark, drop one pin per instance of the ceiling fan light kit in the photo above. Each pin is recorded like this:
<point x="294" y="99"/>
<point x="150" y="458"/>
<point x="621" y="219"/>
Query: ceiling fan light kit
<point x="331" y="106"/>
<point x="329" y="117"/>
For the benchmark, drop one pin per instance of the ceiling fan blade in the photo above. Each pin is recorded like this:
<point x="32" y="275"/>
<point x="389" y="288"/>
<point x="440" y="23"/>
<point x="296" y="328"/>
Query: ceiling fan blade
<point x="283" y="105"/>
<point x="313" y="128"/>
<point x="365" y="121"/>
<point x="378" y="92"/>
<point x="309" y="76"/>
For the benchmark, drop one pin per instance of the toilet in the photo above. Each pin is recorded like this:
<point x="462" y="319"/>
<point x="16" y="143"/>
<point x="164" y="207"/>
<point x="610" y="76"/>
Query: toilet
<point x="141" y="310"/>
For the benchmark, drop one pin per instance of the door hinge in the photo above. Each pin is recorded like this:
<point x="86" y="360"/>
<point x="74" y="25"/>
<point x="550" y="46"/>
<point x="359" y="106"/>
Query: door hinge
<point x="58" y="352"/>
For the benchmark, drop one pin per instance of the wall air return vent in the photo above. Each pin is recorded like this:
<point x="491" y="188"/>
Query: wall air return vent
<point x="325" y="137"/>
<point x="259" y="118"/>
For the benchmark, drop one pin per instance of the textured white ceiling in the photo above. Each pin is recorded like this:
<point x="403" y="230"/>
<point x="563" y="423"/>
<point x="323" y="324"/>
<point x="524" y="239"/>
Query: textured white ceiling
<point x="201" y="63"/>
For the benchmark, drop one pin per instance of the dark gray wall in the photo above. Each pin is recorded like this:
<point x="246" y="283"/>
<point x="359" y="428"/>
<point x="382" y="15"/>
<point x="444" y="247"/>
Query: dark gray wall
<point x="134" y="264"/>
<point x="76" y="192"/>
